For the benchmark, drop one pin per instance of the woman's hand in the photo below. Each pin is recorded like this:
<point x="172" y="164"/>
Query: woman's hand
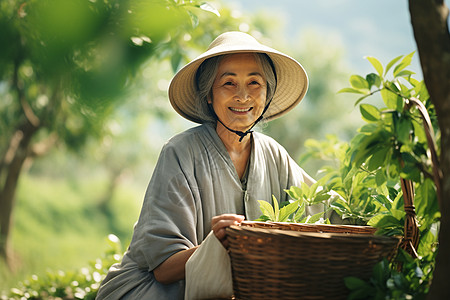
<point x="219" y="223"/>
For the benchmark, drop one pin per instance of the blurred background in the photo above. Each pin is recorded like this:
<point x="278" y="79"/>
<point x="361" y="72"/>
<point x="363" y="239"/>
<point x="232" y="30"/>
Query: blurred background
<point x="84" y="109"/>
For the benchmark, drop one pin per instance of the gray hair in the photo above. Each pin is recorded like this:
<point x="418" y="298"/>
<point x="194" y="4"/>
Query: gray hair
<point x="206" y="74"/>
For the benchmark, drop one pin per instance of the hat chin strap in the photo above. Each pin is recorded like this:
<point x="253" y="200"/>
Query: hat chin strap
<point x="241" y="134"/>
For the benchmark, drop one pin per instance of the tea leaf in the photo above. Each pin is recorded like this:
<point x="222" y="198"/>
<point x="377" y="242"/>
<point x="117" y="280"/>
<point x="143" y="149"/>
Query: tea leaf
<point x="391" y="63"/>
<point x="288" y="210"/>
<point x="295" y="192"/>
<point x="406" y="61"/>
<point x="373" y="80"/>
<point x="392" y="100"/>
<point x="352" y="90"/>
<point x="378" y="158"/>
<point x="403" y="130"/>
<point x="267" y="209"/>
<point x="299" y="213"/>
<point x="359" y="83"/>
<point x="314" y="218"/>
<point x="208" y="7"/>
<point x="276" y="208"/>
<point x="376" y="64"/>
<point x="405" y="73"/>
<point x="369" y="112"/>
<point x="354" y="283"/>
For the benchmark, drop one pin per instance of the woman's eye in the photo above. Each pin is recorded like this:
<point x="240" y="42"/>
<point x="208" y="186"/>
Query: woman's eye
<point x="228" y="83"/>
<point x="254" y="82"/>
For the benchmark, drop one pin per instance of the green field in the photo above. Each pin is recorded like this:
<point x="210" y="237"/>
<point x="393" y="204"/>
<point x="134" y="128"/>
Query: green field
<point x="58" y="224"/>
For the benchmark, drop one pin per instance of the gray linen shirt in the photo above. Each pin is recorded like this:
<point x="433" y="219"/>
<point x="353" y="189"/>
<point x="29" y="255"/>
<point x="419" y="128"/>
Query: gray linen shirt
<point x="193" y="181"/>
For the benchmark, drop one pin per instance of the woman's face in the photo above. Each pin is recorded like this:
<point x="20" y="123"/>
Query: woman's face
<point x="239" y="91"/>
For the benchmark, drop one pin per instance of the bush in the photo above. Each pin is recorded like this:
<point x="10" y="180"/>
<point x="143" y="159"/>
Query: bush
<point x="80" y="284"/>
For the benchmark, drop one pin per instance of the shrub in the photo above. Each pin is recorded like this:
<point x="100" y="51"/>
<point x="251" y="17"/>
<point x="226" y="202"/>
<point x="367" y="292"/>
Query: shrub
<point x="68" y="285"/>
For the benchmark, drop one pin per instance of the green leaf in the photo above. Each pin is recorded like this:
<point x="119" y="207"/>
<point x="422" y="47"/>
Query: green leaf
<point x="314" y="218"/>
<point x="359" y="82"/>
<point x="411" y="172"/>
<point x="380" y="178"/>
<point x="383" y="200"/>
<point x="373" y="80"/>
<point x="267" y="209"/>
<point x="399" y="214"/>
<point x="299" y="213"/>
<point x="208" y="7"/>
<point x="419" y="132"/>
<point x="354" y="283"/>
<point x="403" y="130"/>
<point x="352" y="90"/>
<point x="194" y="19"/>
<point x="421" y="91"/>
<point x="288" y="210"/>
<point x="306" y="190"/>
<point x="425" y="200"/>
<point x="262" y="218"/>
<point x="386" y="221"/>
<point x="376" y="64"/>
<point x="405" y="73"/>
<point x="369" y="112"/>
<point x="406" y="61"/>
<point x="361" y="99"/>
<point x="391" y="63"/>
<point x="375" y="219"/>
<point x="378" y="158"/>
<point x="368" y="128"/>
<point x="295" y="192"/>
<point x="392" y="100"/>
<point x="276" y="208"/>
<point x="320" y="197"/>
<point x="175" y="61"/>
<point x="381" y="272"/>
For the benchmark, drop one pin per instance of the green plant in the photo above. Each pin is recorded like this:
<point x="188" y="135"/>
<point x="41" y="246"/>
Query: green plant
<point x="81" y="284"/>
<point x="294" y="210"/>
<point x="390" y="149"/>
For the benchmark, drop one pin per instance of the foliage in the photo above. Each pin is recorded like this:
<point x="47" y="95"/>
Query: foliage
<point x="55" y="217"/>
<point x="295" y="210"/>
<point x="81" y="284"/>
<point x="66" y="63"/>
<point x="412" y="282"/>
<point x="392" y="145"/>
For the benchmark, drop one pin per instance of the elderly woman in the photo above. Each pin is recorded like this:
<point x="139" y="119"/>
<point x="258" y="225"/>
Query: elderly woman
<point x="211" y="176"/>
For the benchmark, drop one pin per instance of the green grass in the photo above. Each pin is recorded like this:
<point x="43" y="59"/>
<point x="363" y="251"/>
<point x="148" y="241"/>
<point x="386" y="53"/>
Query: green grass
<point x="57" y="224"/>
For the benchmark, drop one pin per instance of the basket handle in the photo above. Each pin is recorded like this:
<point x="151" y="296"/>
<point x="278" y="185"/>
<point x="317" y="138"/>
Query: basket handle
<point x="411" y="239"/>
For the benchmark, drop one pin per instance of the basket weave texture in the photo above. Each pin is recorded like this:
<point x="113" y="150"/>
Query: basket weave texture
<point x="302" y="261"/>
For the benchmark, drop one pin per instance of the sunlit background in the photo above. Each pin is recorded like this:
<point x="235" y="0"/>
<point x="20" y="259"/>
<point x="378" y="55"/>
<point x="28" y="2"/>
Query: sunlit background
<point x="98" y="94"/>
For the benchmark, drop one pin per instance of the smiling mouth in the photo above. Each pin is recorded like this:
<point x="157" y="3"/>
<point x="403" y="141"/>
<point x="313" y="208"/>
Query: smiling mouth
<point x="241" y="109"/>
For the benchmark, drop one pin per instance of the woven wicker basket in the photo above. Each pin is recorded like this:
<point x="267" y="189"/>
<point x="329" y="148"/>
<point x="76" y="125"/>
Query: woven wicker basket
<point x="302" y="261"/>
<point x="309" y="261"/>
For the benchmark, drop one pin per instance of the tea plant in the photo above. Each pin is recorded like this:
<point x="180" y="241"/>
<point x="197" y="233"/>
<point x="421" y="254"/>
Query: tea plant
<point x="392" y="145"/>
<point x="70" y="285"/>
<point x="295" y="210"/>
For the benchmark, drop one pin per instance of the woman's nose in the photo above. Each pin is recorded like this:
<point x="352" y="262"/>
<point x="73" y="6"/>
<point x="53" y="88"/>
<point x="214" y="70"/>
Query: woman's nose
<point x="242" y="94"/>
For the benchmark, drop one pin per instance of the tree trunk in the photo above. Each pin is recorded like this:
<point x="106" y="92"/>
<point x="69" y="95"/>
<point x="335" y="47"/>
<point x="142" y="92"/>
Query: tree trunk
<point x="429" y="22"/>
<point x="19" y="148"/>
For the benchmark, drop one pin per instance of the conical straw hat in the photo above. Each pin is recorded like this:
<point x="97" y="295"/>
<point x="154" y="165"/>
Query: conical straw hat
<point x="292" y="81"/>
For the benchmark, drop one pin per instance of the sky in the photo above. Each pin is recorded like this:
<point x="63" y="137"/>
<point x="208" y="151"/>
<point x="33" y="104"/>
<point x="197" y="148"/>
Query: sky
<point x="378" y="28"/>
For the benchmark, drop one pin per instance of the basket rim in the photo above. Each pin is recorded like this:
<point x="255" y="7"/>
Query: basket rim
<point x="347" y="237"/>
<point x="268" y="223"/>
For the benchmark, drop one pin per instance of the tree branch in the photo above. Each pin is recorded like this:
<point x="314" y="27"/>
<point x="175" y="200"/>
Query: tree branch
<point x="27" y="110"/>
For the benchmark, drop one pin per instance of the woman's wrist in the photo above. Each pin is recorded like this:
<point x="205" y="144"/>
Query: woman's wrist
<point x="173" y="268"/>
